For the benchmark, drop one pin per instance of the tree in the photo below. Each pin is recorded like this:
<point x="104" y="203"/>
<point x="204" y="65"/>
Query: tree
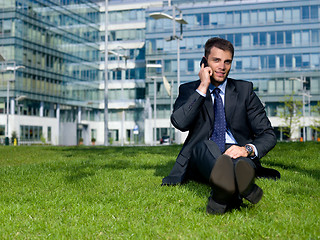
<point x="290" y="114"/>
<point x="316" y="122"/>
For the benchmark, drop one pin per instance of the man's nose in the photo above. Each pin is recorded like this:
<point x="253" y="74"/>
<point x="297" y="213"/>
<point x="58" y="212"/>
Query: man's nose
<point x="222" y="65"/>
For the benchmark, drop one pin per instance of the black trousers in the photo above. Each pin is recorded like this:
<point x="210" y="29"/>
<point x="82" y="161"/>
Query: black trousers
<point x="203" y="159"/>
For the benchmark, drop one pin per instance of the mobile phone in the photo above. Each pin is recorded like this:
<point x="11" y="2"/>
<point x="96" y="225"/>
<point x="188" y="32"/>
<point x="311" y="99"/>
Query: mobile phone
<point x="204" y="60"/>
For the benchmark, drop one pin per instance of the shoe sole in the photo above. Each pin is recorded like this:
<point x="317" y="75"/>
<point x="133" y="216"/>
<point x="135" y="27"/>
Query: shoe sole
<point x="222" y="174"/>
<point x="244" y="176"/>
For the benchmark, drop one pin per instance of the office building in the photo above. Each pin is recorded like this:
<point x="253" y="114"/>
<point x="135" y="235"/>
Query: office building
<point x="277" y="47"/>
<point x="54" y="64"/>
<point x="127" y="104"/>
<point x="54" y="97"/>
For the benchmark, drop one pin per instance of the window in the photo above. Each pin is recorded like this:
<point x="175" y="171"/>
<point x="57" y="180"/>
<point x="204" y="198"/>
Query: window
<point x="280" y="39"/>
<point x="287" y="15"/>
<point x="279" y="15"/>
<point x="315" y="36"/>
<point x="296" y="14"/>
<point x="255" y="62"/>
<point x="245" y="18"/>
<point x="238" y="65"/>
<point x="289" y="60"/>
<point x="279" y="85"/>
<point x="140" y="93"/>
<point x="2" y="130"/>
<point x="167" y="65"/>
<point x="315" y="60"/>
<point x="246" y="40"/>
<point x="262" y="16"/>
<point x="263" y="39"/>
<point x="305" y="37"/>
<point x="238" y="41"/>
<point x="246" y="63"/>
<point x="221" y="19"/>
<point x="230" y="38"/>
<point x="213" y="19"/>
<point x="314" y="12"/>
<point x="237" y="19"/>
<point x="263" y="62"/>
<point x="190" y="63"/>
<point x="6" y="26"/>
<point x="297" y="38"/>
<point x="288" y="37"/>
<point x="255" y="39"/>
<point x="280" y="61"/>
<point x="206" y="19"/>
<point x="305" y="60"/>
<point x="272" y="38"/>
<point x="270" y="16"/>
<point x="254" y="17"/>
<point x="271" y="61"/>
<point x="298" y="61"/>
<point x="229" y="19"/>
<point x="94" y="133"/>
<point x="305" y="12"/>
<point x="30" y="133"/>
<point x="198" y="20"/>
<point x="49" y="134"/>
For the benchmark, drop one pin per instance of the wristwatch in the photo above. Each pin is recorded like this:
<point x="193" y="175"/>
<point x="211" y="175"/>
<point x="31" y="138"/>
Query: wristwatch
<point x="249" y="149"/>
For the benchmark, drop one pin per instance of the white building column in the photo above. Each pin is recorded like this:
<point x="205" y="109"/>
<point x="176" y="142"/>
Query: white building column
<point x="58" y="119"/>
<point x="58" y="112"/>
<point x="41" y="109"/>
<point x="79" y="114"/>
<point x="122" y="130"/>
<point x="12" y="106"/>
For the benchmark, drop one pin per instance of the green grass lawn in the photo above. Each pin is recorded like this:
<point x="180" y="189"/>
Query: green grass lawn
<point x="115" y="193"/>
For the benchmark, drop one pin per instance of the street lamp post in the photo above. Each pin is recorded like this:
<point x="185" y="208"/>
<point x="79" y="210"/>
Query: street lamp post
<point x="181" y="21"/>
<point x="118" y="55"/>
<point x="304" y="94"/>
<point x="106" y="130"/>
<point x="154" y="101"/>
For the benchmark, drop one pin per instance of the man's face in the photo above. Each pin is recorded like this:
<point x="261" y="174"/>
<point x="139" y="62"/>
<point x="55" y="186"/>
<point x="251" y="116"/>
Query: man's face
<point x="220" y="63"/>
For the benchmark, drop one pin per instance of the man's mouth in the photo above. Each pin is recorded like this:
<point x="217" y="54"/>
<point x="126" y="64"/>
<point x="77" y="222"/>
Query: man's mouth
<point x="220" y="74"/>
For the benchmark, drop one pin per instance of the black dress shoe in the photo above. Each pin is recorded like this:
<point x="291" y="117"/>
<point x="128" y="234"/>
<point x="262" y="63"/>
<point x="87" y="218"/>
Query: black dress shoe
<point x="245" y="175"/>
<point x="255" y="194"/>
<point x="215" y="208"/>
<point x="222" y="178"/>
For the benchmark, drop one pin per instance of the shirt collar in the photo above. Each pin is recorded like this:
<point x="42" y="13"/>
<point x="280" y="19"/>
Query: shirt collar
<point x="221" y="86"/>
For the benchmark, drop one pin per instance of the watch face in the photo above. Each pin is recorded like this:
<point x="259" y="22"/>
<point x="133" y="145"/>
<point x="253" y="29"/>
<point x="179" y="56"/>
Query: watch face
<point x="249" y="149"/>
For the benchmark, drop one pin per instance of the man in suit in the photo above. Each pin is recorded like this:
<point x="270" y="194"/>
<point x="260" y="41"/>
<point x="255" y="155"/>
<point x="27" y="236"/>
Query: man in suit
<point x="229" y="132"/>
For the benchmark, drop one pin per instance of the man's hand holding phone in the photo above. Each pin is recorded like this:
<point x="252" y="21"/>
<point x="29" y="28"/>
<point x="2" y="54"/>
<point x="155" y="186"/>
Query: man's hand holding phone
<point x="204" y="74"/>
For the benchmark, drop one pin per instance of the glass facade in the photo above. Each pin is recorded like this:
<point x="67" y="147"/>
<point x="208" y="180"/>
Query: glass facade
<point x="275" y="42"/>
<point x="126" y="70"/>
<point x="59" y="94"/>
<point x="57" y="43"/>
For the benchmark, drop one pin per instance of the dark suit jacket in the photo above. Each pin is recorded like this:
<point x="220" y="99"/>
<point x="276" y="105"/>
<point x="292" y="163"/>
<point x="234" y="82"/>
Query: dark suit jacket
<point x="245" y="116"/>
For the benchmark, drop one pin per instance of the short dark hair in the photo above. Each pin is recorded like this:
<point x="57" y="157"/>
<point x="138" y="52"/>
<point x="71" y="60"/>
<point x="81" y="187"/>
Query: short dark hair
<point x="220" y="43"/>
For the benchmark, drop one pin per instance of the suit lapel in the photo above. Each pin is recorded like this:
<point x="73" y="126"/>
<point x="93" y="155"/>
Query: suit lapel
<point x="231" y="99"/>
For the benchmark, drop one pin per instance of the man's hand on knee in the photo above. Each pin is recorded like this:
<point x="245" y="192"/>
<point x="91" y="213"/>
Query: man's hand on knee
<point x="236" y="151"/>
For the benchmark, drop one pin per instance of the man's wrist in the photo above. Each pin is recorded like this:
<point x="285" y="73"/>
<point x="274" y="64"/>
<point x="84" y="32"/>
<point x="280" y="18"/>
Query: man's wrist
<point x="202" y="94"/>
<point x="250" y="150"/>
